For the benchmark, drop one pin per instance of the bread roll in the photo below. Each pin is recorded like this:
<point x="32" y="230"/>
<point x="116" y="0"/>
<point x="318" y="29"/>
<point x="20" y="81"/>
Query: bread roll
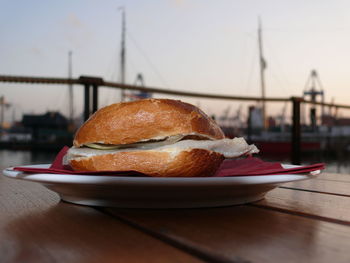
<point x="155" y="137"/>
<point x="142" y="120"/>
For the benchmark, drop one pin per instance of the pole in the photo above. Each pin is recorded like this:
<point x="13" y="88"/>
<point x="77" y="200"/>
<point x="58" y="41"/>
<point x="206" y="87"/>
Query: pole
<point x="122" y="54"/>
<point x="296" y="131"/>
<point x="86" y="101"/>
<point x="262" y="76"/>
<point x="70" y="88"/>
<point x="94" y="97"/>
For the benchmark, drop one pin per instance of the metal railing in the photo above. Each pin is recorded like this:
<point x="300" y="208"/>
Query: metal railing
<point x="92" y="84"/>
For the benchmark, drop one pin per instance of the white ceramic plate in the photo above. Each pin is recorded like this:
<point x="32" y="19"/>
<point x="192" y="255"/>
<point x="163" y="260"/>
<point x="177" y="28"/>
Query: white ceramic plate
<point x="151" y="192"/>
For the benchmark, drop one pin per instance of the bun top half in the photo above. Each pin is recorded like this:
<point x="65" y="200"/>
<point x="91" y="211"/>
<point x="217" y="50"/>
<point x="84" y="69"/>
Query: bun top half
<point x="142" y="120"/>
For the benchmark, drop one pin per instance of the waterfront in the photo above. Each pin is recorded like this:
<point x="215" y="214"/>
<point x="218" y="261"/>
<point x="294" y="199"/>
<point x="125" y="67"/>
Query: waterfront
<point x="15" y="158"/>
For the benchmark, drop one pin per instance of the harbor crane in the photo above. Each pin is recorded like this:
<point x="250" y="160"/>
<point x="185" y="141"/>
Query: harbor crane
<point x="311" y="90"/>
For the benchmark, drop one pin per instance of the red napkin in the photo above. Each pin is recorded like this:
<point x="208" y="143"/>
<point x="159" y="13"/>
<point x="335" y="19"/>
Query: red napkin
<point x="255" y="166"/>
<point x="249" y="166"/>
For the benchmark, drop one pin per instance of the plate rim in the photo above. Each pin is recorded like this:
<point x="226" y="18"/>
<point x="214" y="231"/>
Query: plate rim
<point x="47" y="178"/>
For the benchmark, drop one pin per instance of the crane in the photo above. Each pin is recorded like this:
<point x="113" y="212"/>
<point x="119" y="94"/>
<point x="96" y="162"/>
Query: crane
<point x="311" y="90"/>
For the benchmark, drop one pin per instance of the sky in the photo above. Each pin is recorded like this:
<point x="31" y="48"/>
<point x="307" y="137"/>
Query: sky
<point x="190" y="45"/>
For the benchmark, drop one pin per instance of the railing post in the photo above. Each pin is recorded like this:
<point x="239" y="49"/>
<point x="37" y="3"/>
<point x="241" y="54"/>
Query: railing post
<point x="94" y="98"/>
<point x="296" y="131"/>
<point x="86" y="101"/>
<point x="90" y="104"/>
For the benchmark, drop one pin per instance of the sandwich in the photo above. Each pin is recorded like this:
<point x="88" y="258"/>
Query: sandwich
<point x="154" y="137"/>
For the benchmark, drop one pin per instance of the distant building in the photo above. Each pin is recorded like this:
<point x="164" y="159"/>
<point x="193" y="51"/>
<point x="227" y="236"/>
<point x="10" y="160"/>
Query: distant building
<point x="328" y="120"/>
<point x="50" y="126"/>
<point x="271" y="122"/>
<point x="16" y="133"/>
<point x="255" y="118"/>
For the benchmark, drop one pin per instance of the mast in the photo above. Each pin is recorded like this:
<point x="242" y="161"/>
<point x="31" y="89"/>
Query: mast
<point x="122" y="53"/>
<point x="70" y="88"/>
<point x="262" y="76"/>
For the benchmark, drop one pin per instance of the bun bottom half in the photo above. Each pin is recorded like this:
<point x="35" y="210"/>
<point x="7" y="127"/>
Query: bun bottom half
<point x="187" y="163"/>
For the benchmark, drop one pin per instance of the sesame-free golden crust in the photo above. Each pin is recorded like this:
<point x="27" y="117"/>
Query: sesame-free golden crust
<point x="130" y="122"/>
<point x="188" y="163"/>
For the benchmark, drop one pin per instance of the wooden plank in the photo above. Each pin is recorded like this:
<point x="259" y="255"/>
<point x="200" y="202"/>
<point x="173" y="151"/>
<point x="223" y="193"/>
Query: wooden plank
<point x="334" y="177"/>
<point x="247" y="234"/>
<point x="326" y="207"/>
<point x="340" y="188"/>
<point x="36" y="227"/>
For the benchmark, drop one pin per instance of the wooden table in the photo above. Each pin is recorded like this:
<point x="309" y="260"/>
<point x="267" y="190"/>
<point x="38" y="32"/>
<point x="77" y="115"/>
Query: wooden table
<point x="307" y="221"/>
